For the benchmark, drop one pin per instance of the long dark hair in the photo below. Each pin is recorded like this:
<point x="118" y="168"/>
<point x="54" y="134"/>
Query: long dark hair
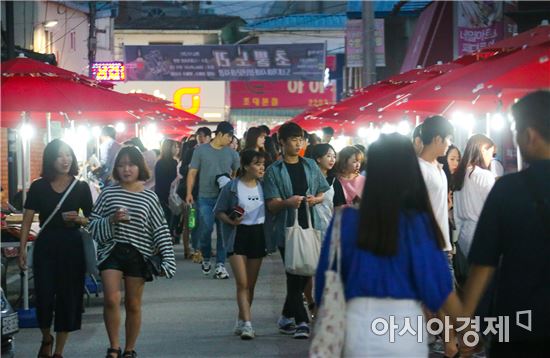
<point x="394" y="186"/>
<point x="251" y="139"/>
<point x="472" y="157"/>
<point x="166" y="149"/>
<point x="51" y="152"/>
<point x="445" y="161"/>
<point x="320" y="150"/>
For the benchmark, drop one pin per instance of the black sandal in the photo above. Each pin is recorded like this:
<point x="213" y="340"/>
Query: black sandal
<point x="129" y="354"/>
<point x="43" y="346"/>
<point x="116" y="351"/>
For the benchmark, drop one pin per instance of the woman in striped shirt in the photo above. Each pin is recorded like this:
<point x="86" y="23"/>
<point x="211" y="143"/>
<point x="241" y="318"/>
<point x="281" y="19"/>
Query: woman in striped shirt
<point x="128" y="224"/>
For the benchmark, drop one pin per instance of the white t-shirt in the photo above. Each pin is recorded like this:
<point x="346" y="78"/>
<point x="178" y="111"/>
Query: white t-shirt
<point x="252" y="201"/>
<point x="436" y="183"/>
<point x="496" y="168"/>
<point x="468" y="203"/>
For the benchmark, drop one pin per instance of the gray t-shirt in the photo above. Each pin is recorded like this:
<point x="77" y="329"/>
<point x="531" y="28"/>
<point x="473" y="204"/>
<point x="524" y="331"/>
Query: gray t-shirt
<point x="210" y="163"/>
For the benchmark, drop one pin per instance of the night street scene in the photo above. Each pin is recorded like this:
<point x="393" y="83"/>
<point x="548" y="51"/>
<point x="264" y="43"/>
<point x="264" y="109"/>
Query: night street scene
<point x="309" y="179"/>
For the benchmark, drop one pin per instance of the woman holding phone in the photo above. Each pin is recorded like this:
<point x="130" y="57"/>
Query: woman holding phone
<point x="58" y="259"/>
<point x="129" y="226"/>
<point x="241" y="209"/>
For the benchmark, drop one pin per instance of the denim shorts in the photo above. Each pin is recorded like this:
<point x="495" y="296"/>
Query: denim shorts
<point x="127" y="259"/>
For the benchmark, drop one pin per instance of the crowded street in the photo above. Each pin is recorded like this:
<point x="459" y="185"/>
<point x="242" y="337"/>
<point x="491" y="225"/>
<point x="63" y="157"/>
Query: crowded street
<point x="285" y="178"/>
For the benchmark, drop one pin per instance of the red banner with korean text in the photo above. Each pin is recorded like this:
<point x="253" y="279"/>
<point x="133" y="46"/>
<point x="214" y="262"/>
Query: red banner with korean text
<point x="280" y="94"/>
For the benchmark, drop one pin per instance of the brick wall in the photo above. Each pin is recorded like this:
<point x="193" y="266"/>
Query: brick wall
<point x="37" y="149"/>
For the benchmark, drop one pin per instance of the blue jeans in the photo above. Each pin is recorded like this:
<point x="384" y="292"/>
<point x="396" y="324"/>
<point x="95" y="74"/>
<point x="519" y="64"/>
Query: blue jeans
<point x="207" y="220"/>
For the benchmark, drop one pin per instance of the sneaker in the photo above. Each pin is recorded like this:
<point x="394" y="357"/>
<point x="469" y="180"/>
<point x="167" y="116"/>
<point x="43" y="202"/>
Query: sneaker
<point x="302" y="331"/>
<point x="238" y="327"/>
<point x="206" y="267"/>
<point x="286" y="325"/>
<point x="248" y="332"/>
<point x="221" y="273"/>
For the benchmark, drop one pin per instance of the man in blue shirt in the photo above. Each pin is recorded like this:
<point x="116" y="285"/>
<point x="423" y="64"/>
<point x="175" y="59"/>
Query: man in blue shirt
<point x="512" y="239"/>
<point x="288" y="184"/>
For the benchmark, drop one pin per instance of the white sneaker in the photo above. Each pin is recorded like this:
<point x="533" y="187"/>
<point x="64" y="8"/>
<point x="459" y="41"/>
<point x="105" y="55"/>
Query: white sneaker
<point x="205" y="266"/>
<point x="238" y="327"/>
<point x="221" y="273"/>
<point x="248" y="332"/>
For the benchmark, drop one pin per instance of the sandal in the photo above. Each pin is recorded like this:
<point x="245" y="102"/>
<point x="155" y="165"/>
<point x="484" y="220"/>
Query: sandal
<point x="129" y="354"/>
<point x="116" y="351"/>
<point x="43" y="346"/>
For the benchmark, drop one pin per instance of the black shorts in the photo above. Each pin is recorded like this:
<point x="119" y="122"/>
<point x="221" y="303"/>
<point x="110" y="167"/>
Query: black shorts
<point x="249" y="241"/>
<point x="127" y="259"/>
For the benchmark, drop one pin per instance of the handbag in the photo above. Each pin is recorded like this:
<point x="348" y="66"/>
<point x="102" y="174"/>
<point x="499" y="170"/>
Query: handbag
<point x="153" y="267"/>
<point x="90" y="252"/>
<point x="302" y="247"/>
<point x="30" y="253"/>
<point x="329" y="332"/>
<point x="174" y="200"/>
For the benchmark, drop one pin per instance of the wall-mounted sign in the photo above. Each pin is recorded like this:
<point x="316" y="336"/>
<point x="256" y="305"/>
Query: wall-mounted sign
<point x="280" y="94"/>
<point x="354" y="44"/>
<point x="225" y="62"/>
<point x="205" y="99"/>
<point x="108" y="71"/>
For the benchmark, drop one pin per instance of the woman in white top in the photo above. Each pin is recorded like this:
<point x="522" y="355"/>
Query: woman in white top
<point x="472" y="182"/>
<point x="241" y="209"/>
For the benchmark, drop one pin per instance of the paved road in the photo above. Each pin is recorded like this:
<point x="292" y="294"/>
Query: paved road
<point x="189" y="316"/>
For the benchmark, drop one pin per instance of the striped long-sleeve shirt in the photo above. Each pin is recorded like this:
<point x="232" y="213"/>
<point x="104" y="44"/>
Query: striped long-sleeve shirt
<point x="147" y="230"/>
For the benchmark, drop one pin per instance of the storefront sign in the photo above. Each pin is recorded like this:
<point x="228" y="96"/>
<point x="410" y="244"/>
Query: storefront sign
<point x="354" y="44"/>
<point x="108" y="71"/>
<point x="205" y="99"/>
<point x="280" y="94"/>
<point x="225" y="62"/>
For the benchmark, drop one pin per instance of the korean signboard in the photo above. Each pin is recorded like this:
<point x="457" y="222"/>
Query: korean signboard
<point x="481" y="24"/>
<point x="108" y="71"/>
<point x="304" y="62"/>
<point x="206" y="99"/>
<point x="354" y="44"/>
<point x="280" y="94"/>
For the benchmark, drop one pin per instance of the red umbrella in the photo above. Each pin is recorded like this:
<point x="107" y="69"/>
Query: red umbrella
<point x="525" y="69"/>
<point x="28" y="66"/>
<point x="532" y="37"/>
<point x="56" y="94"/>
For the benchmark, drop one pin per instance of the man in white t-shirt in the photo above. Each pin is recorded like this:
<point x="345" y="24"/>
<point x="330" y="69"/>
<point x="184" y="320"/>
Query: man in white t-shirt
<point x="436" y="136"/>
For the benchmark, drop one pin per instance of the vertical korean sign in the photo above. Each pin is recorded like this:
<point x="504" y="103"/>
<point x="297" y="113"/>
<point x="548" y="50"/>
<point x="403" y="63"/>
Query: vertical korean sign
<point x="354" y="44"/>
<point x="304" y="62"/>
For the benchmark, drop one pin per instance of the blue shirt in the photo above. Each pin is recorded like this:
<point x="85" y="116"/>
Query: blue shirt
<point x="277" y="184"/>
<point x="418" y="271"/>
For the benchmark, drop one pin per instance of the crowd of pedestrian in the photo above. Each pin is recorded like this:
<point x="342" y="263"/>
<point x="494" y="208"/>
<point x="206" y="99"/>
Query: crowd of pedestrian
<point x="409" y="210"/>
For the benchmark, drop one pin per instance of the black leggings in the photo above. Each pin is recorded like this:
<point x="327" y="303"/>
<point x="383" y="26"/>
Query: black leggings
<point x="59" y="279"/>
<point x="294" y="302"/>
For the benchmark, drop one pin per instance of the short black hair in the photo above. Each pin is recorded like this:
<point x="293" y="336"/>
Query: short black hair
<point x="328" y="131"/>
<point x="205" y="131"/>
<point x="248" y="156"/>
<point x="136" y="158"/>
<point x="289" y="130"/>
<point x="533" y="111"/>
<point x="136" y="142"/>
<point x="435" y="126"/>
<point x="49" y="157"/>
<point x="265" y="129"/>
<point x="108" y="131"/>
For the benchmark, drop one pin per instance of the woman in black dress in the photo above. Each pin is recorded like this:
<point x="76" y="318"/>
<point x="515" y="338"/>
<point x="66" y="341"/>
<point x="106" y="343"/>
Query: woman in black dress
<point x="58" y="257"/>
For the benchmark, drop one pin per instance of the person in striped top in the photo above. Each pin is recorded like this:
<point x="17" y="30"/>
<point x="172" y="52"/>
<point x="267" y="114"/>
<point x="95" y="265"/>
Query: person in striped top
<point x="129" y="226"/>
